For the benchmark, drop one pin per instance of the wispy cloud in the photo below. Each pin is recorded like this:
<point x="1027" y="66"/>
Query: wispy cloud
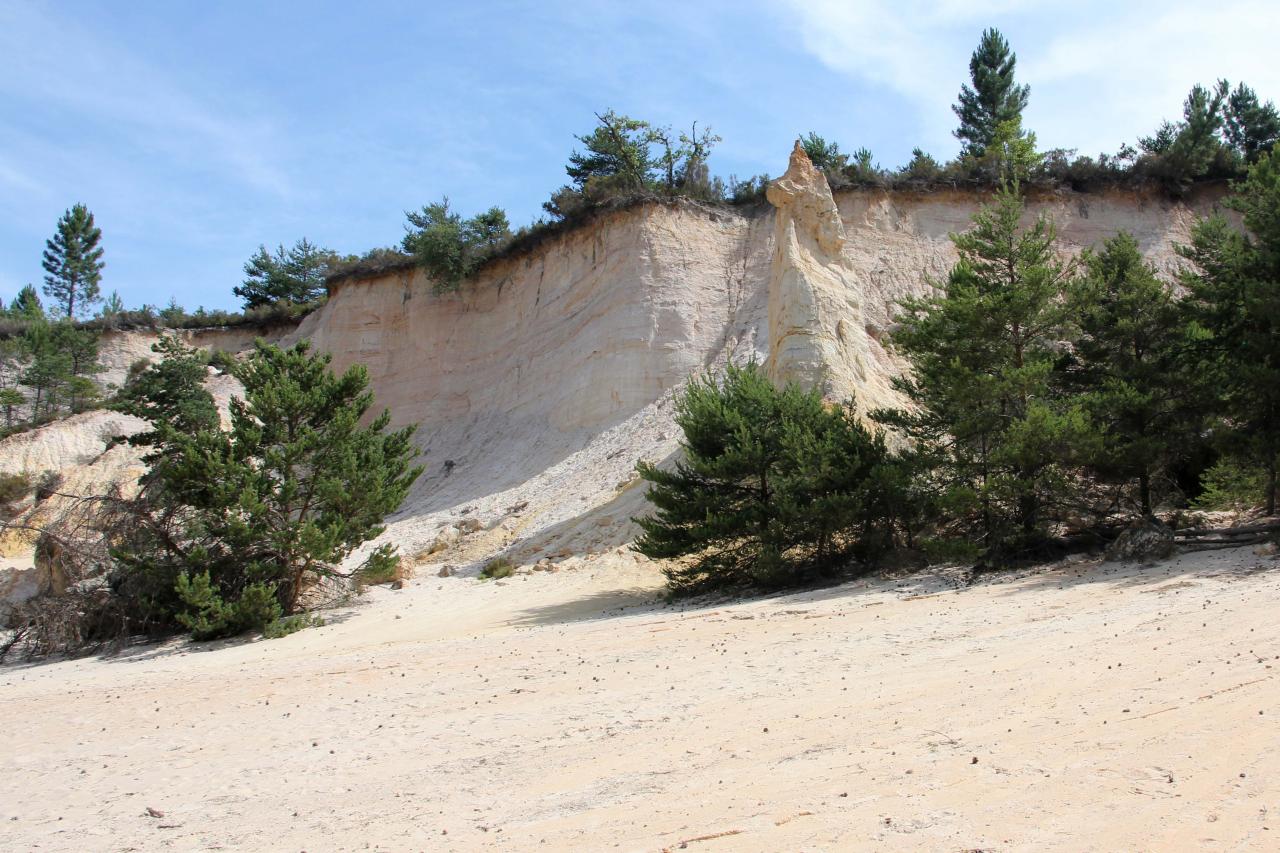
<point x="1101" y="73"/>
<point x="54" y="61"/>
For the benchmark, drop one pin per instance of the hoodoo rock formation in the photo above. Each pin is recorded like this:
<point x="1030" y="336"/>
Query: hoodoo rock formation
<point x="817" y="335"/>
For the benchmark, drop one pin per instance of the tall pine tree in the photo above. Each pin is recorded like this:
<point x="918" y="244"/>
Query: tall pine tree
<point x="994" y="98"/>
<point x="990" y="418"/>
<point x="73" y="262"/>
<point x="1129" y="367"/>
<point x="1235" y="299"/>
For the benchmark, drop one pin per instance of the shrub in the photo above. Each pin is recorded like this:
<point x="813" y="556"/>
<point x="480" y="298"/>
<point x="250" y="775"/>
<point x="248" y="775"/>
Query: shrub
<point x="382" y="566"/>
<point x="750" y="191"/>
<point x="287" y="625"/>
<point x="450" y="248"/>
<point x="500" y="567"/>
<point x="1232" y="484"/>
<point x="14" y="487"/>
<point x="48" y="485"/>
<point x="775" y="487"/>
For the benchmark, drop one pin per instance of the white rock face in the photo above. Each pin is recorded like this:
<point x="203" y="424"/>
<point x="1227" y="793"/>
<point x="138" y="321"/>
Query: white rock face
<point x="544" y="380"/>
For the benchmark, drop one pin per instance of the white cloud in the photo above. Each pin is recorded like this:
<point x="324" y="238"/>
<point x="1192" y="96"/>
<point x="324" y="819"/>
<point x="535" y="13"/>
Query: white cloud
<point x="1101" y="73"/>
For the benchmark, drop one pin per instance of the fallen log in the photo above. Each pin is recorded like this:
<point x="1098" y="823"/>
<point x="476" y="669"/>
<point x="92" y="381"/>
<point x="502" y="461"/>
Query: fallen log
<point x="1248" y="530"/>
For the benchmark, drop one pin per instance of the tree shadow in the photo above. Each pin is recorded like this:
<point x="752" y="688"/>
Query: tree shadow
<point x="1230" y="563"/>
<point x="140" y="648"/>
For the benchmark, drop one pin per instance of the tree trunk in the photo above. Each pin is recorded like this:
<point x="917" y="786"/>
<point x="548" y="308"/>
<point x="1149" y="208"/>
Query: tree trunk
<point x="1271" y="483"/>
<point x="1144" y="492"/>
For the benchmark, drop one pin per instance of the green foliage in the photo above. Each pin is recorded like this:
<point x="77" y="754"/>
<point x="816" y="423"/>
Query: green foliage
<point x="1129" y="367"/>
<point x="1180" y="153"/>
<point x="26" y="305"/>
<point x="1234" y="299"/>
<point x="825" y="156"/>
<point x="450" y="248"/>
<point x="1232" y="484"/>
<point x="11" y="399"/>
<point x="619" y="162"/>
<point x="750" y="191"/>
<point x="922" y="168"/>
<point x="989" y="419"/>
<point x="381" y="566"/>
<point x="862" y="169"/>
<point x="208" y="615"/>
<point x="73" y="262"/>
<point x="112" y="308"/>
<point x="774" y="487"/>
<point x="498" y="568"/>
<point x="617" y="155"/>
<point x="169" y="392"/>
<point x="14" y="487"/>
<point x="284" y="626"/>
<point x="994" y="98"/>
<point x="295" y="275"/>
<point x="238" y="523"/>
<point x="1251" y="127"/>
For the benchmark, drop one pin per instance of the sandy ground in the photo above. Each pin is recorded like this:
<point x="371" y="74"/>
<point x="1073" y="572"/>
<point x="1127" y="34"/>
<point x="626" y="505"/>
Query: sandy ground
<point x="1081" y="707"/>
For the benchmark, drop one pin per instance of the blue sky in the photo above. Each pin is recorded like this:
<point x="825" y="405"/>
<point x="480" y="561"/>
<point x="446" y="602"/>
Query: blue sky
<point x="195" y="132"/>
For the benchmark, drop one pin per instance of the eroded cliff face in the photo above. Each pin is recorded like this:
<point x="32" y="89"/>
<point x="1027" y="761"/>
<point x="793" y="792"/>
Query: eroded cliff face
<point x="537" y="386"/>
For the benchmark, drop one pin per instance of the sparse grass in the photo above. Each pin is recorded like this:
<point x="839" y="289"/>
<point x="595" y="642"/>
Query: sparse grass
<point x="286" y="625"/>
<point x="498" y="568"/>
<point x="14" y="487"/>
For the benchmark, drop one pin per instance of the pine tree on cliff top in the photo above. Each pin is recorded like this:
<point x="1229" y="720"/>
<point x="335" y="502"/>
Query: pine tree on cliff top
<point x="994" y="98"/>
<point x="73" y="262"/>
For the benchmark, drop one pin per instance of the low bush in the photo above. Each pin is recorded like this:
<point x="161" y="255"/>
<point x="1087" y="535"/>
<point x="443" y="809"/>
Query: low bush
<point x="14" y="487"/>
<point x="500" y="567"/>
<point x="774" y="488"/>
<point x="287" y="625"/>
<point x="1231" y="484"/>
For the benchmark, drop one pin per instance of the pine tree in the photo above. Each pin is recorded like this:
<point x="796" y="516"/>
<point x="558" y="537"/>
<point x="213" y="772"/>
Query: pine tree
<point x="237" y="523"/>
<point x="617" y="154"/>
<point x="989" y="417"/>
<point x="450" y="248"/>
<point x="1251" y="126"/>
<point x="73" y="262"/>
<point x="26" y="305"/>
<point x="48" y="368"/>
<point x="774" y="487"/>
<point x="825" y="156"/>
<point x="112" y="306"/>
<point x="295" y="275"/>
<point x="171" y="393"/>
<point x="10" y="400"/>
<point x="1130" y="366"/>
<point x="1235" y="299"/>
<point x="305" y="267"/>
<point x="994" y="99"/>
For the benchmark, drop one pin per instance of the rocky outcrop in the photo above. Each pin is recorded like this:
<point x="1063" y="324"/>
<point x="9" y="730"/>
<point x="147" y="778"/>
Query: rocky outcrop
<point x="817" y="333"/>
<point x="1144" y="539"/>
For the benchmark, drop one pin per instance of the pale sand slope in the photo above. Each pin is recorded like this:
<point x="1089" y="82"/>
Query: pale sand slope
<point x="1108" y="708"/>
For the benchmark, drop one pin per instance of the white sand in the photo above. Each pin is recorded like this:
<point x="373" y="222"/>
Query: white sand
<point x="1107" y="708"/>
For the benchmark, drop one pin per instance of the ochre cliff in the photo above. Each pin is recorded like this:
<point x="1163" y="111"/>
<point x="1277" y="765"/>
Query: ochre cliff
<point x="538" y="385"/>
